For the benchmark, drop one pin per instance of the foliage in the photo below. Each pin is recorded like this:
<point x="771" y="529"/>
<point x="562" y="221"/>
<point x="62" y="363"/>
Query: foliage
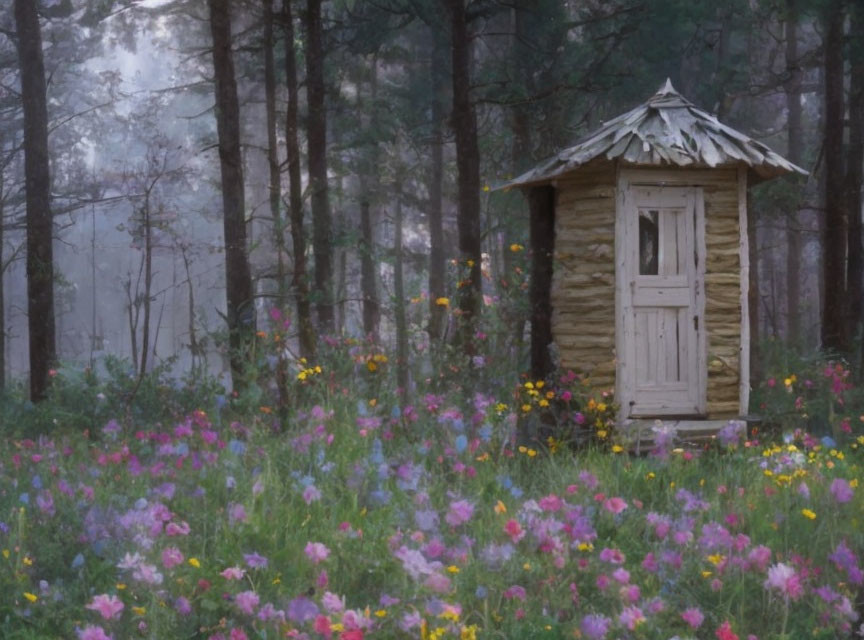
<point x="371" y="515"/>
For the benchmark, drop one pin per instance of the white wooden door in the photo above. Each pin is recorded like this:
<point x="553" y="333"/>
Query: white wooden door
<point x="663" y="302"/>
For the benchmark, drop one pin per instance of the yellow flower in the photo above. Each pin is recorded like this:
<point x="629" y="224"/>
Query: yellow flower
<point x="617" y="448"/>
<point x="650" y="475"/>
<point x="529" y="385"/>
<point x="338" y="626"/>
<point x="32" y="597"/>
<point x="516" y="248"/>
<point x="193" y="562"/>
<point x="452" y="569"/>
<point x="706" y="574"/>
<point x="716" y="559"/>
<point x="140" y="611"/>
<point x="810" y="515"/>
<point x="371" y="366"/>
<point x="468" y="633"/>
<point x="500" y="507"/>
<point x="526" y="408"/>
<point x="380" y="613"/>
<point x="601" y="407"/>
<point x="602" y="434"/>
<point x="540" y="384"/>
<point x="486" y="188"/>
<point x="543" y="402"/>
<point x="442" y="302"/>
<point x="27" y="561"/>
<point x="120" y="586"/>
<point x="6" y="553"/>
<point x="788" y="382"/>
<point x="527" y="566"/>
<point x="531" y="453"/>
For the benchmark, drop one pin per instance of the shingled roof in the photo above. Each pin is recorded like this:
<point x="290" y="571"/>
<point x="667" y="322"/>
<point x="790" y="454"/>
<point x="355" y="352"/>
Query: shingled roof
<point x="668" y="130"/>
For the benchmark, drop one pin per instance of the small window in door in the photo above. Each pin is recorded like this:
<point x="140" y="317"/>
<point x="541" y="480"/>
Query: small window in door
<point x="649" y="242"/>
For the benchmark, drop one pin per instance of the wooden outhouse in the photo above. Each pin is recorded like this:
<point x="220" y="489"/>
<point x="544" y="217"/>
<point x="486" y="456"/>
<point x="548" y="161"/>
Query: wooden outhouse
<point x="641" y="268"/>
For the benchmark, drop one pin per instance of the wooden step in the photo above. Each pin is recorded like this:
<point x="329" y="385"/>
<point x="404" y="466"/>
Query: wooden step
<point x="640" y="435"/>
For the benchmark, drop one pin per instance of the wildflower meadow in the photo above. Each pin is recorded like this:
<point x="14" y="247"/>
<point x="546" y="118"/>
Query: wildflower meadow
<point x="183" y="513"/>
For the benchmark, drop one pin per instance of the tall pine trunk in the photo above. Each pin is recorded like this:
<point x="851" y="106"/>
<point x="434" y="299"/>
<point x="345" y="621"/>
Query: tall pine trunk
<point x="316" y="138"/>
<point x="40" y="250"/>
<point x="794" y="132"/>
<point x="468" y="168"/>
<point x="371" y="307"/>
<point x="238" y="276"/>
<point x="855" y="168"/>
<point x="836" y="225"/>
<point x="399" y="299"/>
<point x="299" y="278"/>
<point x="275" y="191"/>
<point x="437" y="259"/>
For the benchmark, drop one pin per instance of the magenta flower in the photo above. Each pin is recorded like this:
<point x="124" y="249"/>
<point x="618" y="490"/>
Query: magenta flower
<point x="615" y="505"/>
<point x="238" y="634"/>
<point x="783" y="578"/>
<point x="460" y="512"/>
<point x="693" y="617"/>
<point x="842" y="490"/>
<point x="109" y="607"/>
<point x="516" y="591"/>
<point x="317" y="552"/>
<point x="93" y="633"/>
<point x="551" y="503"/>
<point x="171" y="557"/>
<point x="236" y="513"/>
<point x="759" y="557"/>
<point x="247" y="601"/>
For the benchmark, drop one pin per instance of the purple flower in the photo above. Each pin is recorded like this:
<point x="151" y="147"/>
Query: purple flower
<point x="182" y="606"/>
<point x="842" y="490"/>
<point x="460" y="512"/>
<point x="316" y="552"/>
<point x="595" y="627"/>
<point x="631" y="617"/>
<point x="301" y="610"/>
<point x="255" y="560"/>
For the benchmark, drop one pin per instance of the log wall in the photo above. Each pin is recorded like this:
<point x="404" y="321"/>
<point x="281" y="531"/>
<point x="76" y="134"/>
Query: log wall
<point x="583" y="284"/>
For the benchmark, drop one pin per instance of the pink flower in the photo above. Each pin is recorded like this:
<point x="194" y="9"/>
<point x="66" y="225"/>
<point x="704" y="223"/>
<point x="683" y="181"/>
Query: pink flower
<point x="233" y="573"/>
<point x="784" y="578"/>
<point x="109" y="607"/>
<point x="316" y="552"/>
<point x="236" y="513"/>
<point x="631" y="617"/>
<point x="551" y="503"/>
<point x="311" y="494"/>
<point x="516" y="591"/>
<point x="513" y="529"/>
<point x="615" y="505"/>
<point x="460" y="512"/>
<point x="175" y="529"/>
<point x="760" y="557"/>
<point x="93" y="633"/>
<point x="693" y="617"/>
<point x="238" y="634"/>
<point x="247" y="601"/>
<point x="171" y="557"/>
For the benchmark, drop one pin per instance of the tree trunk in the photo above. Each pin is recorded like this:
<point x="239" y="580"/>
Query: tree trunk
<point x="437" y="259"/>
<point x="834" y="336"/>
<point x="541" y="202"/>
<point x="371" y="308"/>
<point x="794" y="131"/>
<point x="273" y="153"/>
<point x="855" y="168"/>
<point x="148" y="284"/>
<point x="468" y="167"/>
<point x="300" y="283"/>
<point x="40" y="250"/>
<point x="2" y="276"/>
<point x="316" y="137"/>
<point x="399" y="302"/>
<point x="238" y="277"/>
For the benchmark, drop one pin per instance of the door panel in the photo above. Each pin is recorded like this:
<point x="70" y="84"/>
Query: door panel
<point x="662" y="307"/>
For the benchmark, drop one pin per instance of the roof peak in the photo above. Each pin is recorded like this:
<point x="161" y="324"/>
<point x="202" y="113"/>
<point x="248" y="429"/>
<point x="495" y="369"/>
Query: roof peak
<point x="667" y="88"/>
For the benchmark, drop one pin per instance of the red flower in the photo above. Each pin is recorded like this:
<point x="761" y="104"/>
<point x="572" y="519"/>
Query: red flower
<point x="724" y="632"/>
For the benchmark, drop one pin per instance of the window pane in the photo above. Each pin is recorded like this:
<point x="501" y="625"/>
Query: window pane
<point x="649" y="242"/>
